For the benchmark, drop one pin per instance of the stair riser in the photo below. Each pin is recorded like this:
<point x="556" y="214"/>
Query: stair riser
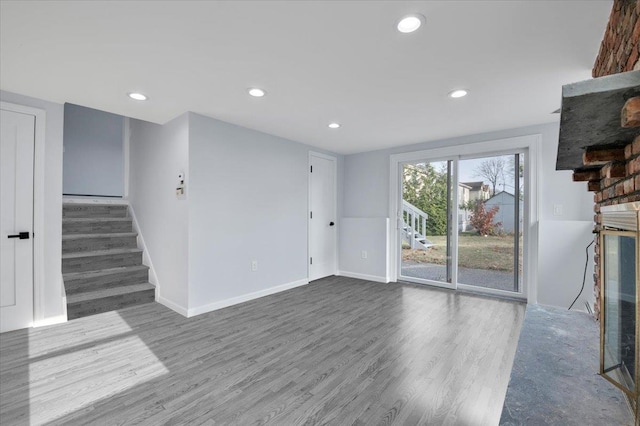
<point x="97" y="306"/>
<point x="104" y="261"/>
<point x="96" y="227"/>
<point x="102" y="243"/>
<point x="71" y="211"/>
<point x="106" y="281"/>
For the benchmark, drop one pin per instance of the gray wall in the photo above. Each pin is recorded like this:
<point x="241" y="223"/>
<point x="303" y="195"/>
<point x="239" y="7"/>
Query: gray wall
<point x="366" y="184"/>
<point x="93" y="152"/>
<point x="366" y="194"/>
<point x="157" y="154"/>
<point x="247" y="201"/>
<point x="53" y="291"/>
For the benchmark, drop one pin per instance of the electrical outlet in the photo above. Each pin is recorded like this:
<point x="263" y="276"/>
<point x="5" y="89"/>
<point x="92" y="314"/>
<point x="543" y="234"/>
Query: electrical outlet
<point x="364" y="254"/>
<point x="254" y="265"/>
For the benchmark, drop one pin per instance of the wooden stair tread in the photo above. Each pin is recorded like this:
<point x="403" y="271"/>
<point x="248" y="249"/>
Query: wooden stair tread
<point x="70" y="276"/>
<point x="94" y="205"/>
<point x="100" y="253"/>
<point x="104" y="235"/>
<point x="95" y="219"/>
<point x="104" y="293"/>
<point x="101" y="264"/>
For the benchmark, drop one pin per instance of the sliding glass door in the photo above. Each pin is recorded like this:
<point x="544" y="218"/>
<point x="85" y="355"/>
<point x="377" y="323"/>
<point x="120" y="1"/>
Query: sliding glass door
<point x="462" y="222"/>
<point x="426" y="234"/>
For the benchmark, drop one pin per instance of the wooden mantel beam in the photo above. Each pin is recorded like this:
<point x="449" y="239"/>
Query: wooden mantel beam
<point x="631" y="113"/>
<point x="599" y="157"/>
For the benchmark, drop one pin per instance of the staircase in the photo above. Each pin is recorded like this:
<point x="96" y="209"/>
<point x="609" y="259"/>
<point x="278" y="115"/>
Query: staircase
<point x="101" y="263"/>
<point x="414" y="227"/>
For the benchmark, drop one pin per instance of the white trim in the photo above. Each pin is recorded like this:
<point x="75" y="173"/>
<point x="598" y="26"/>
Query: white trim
<point x="321" y="155"/>
<point x="335" y="210"/>
<point x="173" y="306"/>
<point x="467" y="288"/>
<point x="244" y="298"/>
<point x="454" y="219"/>
<point x="78" y="199"/>
<point x="423" y="281"/>
<point x="146" y="258"/>
<point x="60" y="319"/>
<point x="485" y="148"/>
<point x="532" y="218"/>
<point x="126" y="142"/>
<point x="395" y="214"/>
<point x="530" y="143"/>
<point x="365" y="277"/>
<point x="38" y="205"/>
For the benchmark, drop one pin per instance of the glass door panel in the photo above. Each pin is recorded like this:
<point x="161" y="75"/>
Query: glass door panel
<point x="462" y="222"/>
<point x="619" y="344"/>
<point x="490" y="207"/>
<point x="426" y="225"/>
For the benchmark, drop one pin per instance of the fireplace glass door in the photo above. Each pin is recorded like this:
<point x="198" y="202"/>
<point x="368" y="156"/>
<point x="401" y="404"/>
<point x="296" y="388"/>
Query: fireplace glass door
<point x="619" y="344"/>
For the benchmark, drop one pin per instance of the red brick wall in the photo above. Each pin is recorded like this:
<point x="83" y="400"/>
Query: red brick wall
<point x="616" y="191"/>
<point x="619" y="52"/>
<point x="620" y="47"/>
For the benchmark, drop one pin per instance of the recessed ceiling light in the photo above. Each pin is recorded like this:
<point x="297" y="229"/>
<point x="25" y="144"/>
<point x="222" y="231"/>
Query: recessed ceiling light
<point x="334" y="125"/>
<point x="137" y="96"/>
<point x="256" y="93"/>
<point x="459" y="93"/>
<point x="410" y="23"/>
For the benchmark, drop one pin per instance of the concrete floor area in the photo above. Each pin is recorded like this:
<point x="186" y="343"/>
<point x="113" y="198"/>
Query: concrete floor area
<point x="554" y="380"/>
<point x="499" y="280"/>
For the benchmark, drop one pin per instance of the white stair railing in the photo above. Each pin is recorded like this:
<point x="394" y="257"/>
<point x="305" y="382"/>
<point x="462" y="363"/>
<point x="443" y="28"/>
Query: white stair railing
<point x="415" y="223"/>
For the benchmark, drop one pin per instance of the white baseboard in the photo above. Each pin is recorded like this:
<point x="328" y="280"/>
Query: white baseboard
<point x="59" y="319"/>
<point x="173" y="306"/>
<point x="245" y="298"/>
<point x="365" y="277"/>
<point x="146" y="258"/>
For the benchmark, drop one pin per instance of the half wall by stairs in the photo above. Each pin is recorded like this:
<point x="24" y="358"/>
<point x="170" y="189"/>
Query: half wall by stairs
<point x="101" y="264"/>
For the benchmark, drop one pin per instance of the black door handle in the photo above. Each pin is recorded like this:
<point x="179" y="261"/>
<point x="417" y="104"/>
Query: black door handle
<point x="331" y="223"/>
<point x="21" y="235"/>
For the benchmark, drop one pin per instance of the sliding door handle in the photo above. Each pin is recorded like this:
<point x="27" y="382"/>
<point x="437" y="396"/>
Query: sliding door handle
<point x="21" y="235"/>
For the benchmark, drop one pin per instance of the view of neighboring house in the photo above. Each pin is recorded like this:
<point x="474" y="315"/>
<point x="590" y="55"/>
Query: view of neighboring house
<point x="505" y="215"/>
<point x="469" y="192"/>
<point x="478" y="190"/>
<point x="464" y="196"/>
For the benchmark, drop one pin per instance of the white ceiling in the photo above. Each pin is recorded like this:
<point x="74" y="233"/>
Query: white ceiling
<point x="319" y="61"/>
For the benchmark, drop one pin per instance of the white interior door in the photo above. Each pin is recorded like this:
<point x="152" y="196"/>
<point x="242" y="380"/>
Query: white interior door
<point x="16" y="220"/>
<point x="322" y="216"/>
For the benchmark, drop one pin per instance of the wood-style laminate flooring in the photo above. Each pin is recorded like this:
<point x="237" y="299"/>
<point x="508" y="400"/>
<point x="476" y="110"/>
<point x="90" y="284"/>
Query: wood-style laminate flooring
<point x="337" y="351"/>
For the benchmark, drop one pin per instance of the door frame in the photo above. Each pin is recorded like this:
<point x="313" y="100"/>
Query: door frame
<point x="335" y="209"/>
<point x="38" y="204"/>
<point x="531" y="145"/>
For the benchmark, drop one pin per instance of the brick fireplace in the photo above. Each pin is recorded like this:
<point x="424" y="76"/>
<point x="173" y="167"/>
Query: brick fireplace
<point x="619" y="180"/>
<point x="600" y="141"/>
<point x="618" y="183"/>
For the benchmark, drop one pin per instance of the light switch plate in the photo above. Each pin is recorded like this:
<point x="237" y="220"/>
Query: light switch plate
<point x="557" y="210"/>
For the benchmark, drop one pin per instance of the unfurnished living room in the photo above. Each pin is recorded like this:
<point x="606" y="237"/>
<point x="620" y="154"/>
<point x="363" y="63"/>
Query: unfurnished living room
<point x="320" y="212"/>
